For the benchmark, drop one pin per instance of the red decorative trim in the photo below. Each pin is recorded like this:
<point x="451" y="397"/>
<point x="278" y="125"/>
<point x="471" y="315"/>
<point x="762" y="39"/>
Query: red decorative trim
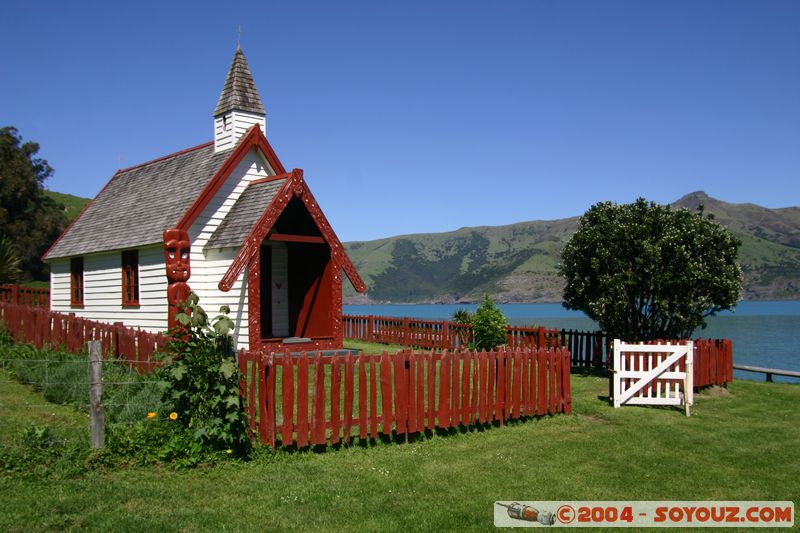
<point x="252" y="242"/>
<point x="254" y="302"/>
<point x="336" y="309"/>
<point x="177" y="258"/>
<point x="253" y="138"/>
<point x="283" y="237"/>
<point x="270" y="178"/>
<point x="186" y="151"/>
<point x="295" y="186"/>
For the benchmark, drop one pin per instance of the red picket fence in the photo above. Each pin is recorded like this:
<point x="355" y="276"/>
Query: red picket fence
<point x="589" y="349"/>
<point x="713" y="358"/>
<point x="436" y="334"/>
<point x="46" y="329"/>
<point x="17" y="294"/>
<point x="713" y="362"/>
<point x="311" y="399"/>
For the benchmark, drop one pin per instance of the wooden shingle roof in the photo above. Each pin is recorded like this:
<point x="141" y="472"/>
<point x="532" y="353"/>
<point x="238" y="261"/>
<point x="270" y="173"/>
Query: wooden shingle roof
<point x="244" y="214"/>
<point x="135" y="207"/>
<point x="239" y="92"/>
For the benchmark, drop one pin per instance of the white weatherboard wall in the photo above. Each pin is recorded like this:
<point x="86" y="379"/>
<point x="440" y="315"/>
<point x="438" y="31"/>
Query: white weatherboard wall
<point x="102" y="289"/>
<point x="209" y="267"/>
<point x="231" y="126"/>
<point x="280" y="289"/>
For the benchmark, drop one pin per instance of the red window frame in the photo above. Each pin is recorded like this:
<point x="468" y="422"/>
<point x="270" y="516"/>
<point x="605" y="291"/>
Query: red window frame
<point x="76" y="282"/>
<point x="130" y="278"/>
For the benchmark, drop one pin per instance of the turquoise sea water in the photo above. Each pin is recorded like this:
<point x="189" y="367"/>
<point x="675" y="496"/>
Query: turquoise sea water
<point x="764" y="333"/>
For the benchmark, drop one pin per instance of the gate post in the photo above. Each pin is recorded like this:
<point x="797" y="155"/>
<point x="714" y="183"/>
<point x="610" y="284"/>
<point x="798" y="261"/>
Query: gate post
<point x="688" y="385"/>
<point x="96" y="394"/>
<point x="613" y="374"/>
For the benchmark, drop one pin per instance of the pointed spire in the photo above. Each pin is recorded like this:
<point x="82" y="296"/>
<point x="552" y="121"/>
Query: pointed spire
<point x="239" y="92"/>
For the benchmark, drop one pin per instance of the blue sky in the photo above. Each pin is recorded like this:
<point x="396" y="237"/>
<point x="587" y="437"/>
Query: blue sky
<point x="415" y="117"/>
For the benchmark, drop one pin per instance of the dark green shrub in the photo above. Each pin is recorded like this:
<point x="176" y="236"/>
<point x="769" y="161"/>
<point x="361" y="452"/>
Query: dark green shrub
<point x="202" y="380"/>
<point x="489" y="326"/>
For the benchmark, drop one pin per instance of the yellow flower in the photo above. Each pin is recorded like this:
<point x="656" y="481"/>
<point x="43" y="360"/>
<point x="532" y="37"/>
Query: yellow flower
<point x="173" y="415"/>
<point x="151" y="415"/>
<point x="228" y="451"/>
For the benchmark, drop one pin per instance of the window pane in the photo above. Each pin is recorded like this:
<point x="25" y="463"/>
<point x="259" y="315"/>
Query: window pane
<point x="76" y="280"/>
<point x="130" y="277"/>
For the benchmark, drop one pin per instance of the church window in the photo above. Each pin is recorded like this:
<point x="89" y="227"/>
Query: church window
<point x="76" y="282"/>
<point x="130" y="278"/>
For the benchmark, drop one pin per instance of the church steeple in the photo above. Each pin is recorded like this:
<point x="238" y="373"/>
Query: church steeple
<point x="239" y="106"/>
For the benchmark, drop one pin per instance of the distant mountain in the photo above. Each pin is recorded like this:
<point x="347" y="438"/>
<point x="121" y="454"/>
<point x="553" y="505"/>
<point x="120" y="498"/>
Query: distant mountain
<point x="73" y="205"/>
<point x="517" y="263"/>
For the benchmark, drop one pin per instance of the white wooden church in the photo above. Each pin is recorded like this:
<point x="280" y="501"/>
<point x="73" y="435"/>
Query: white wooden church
<point x="259" y="241"/>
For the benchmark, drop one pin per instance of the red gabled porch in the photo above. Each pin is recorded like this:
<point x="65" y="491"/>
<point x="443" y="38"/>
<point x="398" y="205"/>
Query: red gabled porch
<point x="294" y="262"/>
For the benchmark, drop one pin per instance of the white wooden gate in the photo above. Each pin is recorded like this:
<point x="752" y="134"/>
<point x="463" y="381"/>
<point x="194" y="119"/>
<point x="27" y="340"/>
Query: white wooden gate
<point x="653" y="374"/>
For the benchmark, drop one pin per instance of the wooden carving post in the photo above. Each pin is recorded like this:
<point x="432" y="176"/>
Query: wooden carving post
<point x="176" y="256"/>
<point x="96" y="394"/>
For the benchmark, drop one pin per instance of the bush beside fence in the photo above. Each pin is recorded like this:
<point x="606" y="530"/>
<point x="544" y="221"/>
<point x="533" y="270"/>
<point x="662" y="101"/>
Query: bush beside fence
<point x="307" y="400"/>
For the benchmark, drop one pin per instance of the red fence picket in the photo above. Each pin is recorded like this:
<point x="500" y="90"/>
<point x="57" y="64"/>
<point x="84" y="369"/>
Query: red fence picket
<point x="28" y="296"/>
<point x="436" y="334"/>
<point x="47" y="329"/>
<point x="713" y="362"/>
<point x="399" y="394"/>
<point x="462" y="388"/>
<point x="588" y="349"/>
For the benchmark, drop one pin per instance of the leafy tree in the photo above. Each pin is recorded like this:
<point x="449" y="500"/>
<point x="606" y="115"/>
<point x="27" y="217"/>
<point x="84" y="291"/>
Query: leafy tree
<point x="489" y="326"/>
<point x="646" y="271"/>
<point x="30" y="219"/>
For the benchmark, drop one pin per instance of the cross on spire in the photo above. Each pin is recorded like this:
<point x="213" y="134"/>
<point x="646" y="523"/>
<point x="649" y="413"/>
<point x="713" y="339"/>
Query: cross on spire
<point x="238" y="37"/>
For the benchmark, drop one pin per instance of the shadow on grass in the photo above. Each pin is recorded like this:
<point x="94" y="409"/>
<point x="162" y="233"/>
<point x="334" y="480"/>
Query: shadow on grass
<point x="395" y="438"/>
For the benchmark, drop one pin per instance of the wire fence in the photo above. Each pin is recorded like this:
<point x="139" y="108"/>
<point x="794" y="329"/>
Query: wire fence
<point x="63" y="379"/>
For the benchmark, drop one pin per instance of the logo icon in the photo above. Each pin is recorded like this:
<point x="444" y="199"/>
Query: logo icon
<point x="527" y="513"/>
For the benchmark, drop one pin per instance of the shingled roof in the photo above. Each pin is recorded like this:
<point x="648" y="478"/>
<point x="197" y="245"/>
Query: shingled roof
<point x="244" y="214"/>
<point x="135" y="207"/>
<point x="239" y="92"/>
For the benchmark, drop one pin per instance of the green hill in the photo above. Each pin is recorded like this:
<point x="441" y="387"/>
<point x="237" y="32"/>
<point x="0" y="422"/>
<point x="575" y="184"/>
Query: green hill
<point x="517" y="263"/>
<point x="73" y="205"/>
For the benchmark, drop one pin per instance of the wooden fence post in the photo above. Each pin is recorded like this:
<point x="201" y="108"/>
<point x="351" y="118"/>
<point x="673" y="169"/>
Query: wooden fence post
<point x="96" y="394"/>
<point x="117" y="330"/>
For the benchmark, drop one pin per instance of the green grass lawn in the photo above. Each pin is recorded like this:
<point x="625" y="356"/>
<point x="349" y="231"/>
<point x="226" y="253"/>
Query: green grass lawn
<point x="739" y="444"/>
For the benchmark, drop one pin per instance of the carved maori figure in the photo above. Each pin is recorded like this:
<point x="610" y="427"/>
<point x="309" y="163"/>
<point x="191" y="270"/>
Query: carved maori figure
<point x="176" y="255"/>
